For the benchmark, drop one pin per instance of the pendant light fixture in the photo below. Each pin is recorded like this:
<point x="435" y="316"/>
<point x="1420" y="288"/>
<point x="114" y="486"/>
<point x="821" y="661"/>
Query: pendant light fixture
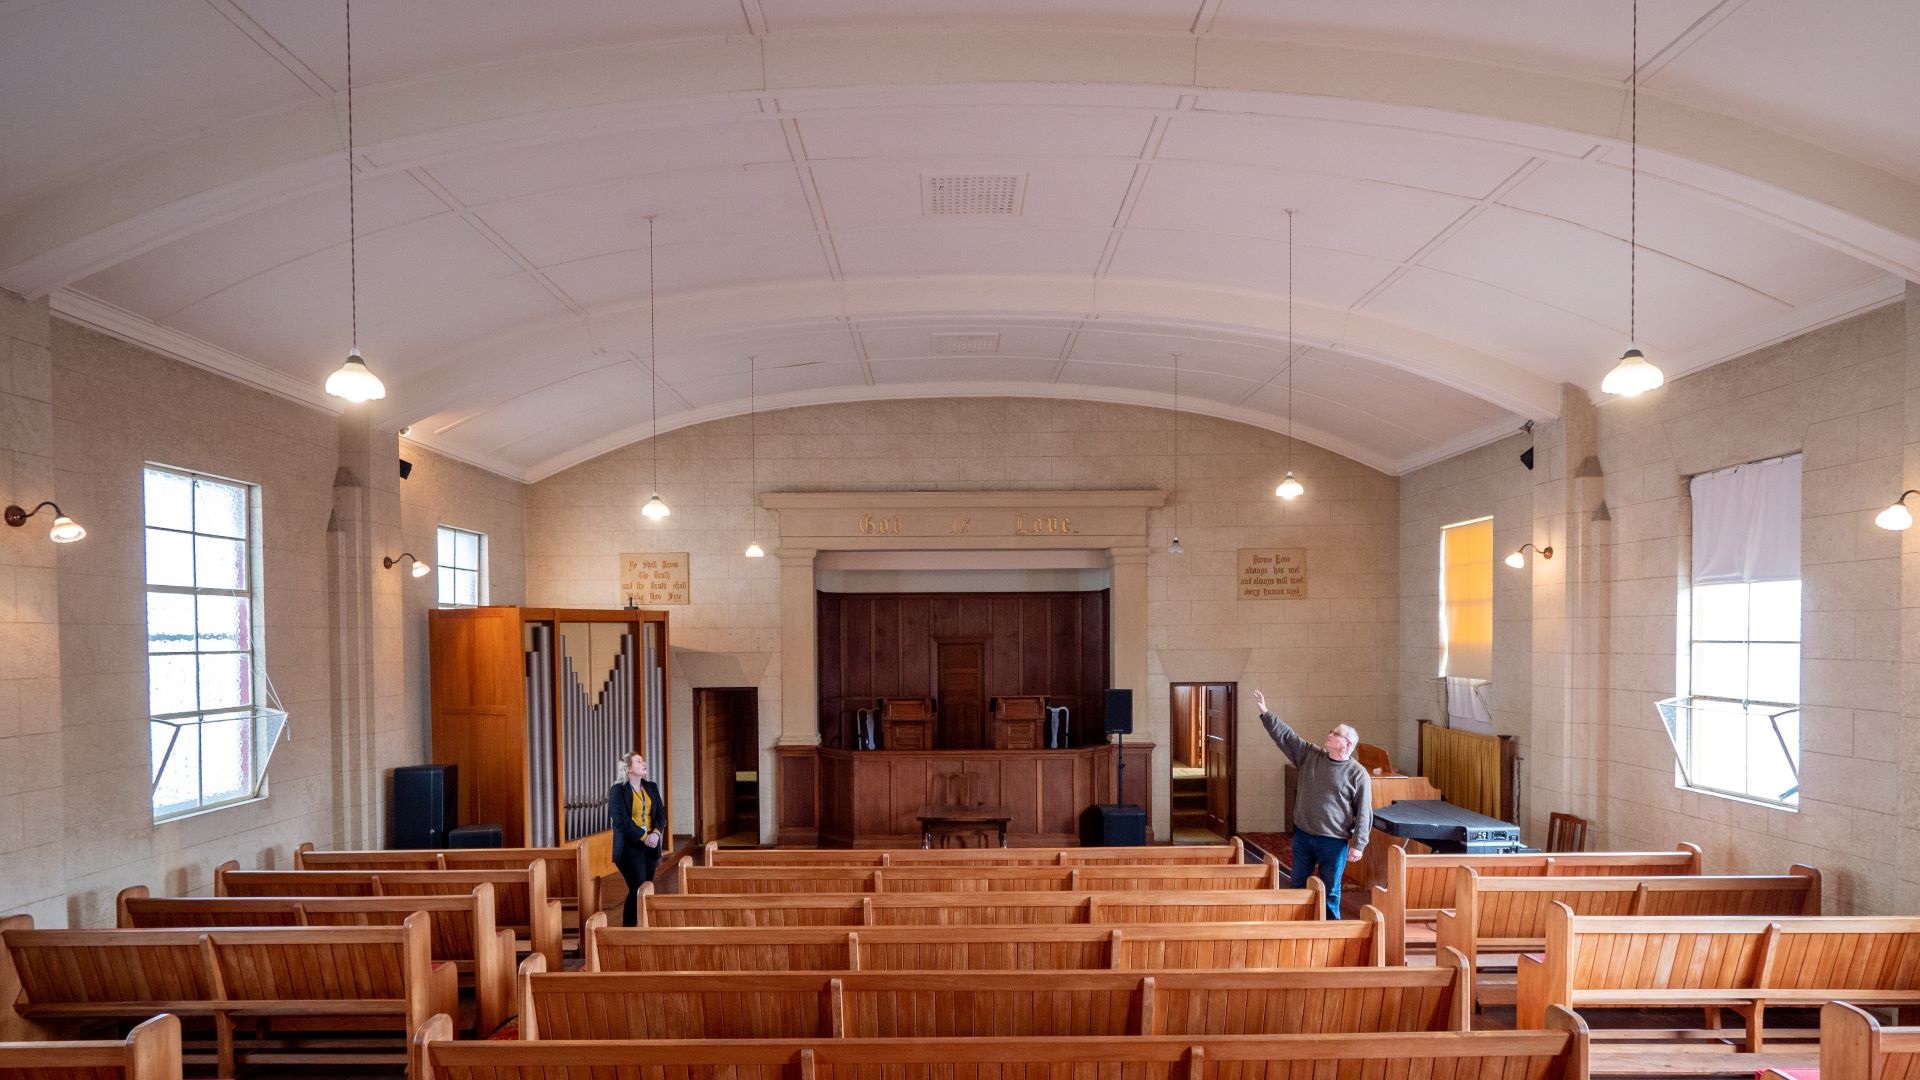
<point x="754" y="550"/>
<point x="354" y="380"/>
<point x="1289" y="488"/>
<point x="1175" y="548"/>
<point x="656" y="507"/>
<point x="1633" y="375"/>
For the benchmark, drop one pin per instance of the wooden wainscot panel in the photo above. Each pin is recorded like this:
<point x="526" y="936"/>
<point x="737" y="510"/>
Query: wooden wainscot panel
<point x="798" y="768"/>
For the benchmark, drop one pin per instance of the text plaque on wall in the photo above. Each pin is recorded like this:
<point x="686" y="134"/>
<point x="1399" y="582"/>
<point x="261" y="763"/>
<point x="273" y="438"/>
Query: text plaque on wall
<point x="654" y="578"/>
<point x="1273" y="573"/>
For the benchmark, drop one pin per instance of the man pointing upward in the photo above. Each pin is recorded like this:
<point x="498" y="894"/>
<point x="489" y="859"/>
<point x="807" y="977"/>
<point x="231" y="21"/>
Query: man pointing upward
<point x="1333" y="811"/>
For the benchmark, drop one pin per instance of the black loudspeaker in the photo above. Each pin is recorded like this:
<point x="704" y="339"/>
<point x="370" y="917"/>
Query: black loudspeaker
<point x="406" y="468"/>
<point x="426" y="806"/>
<point x="476" y="836"/>
<point x="1113" y="825"/>
<point x="1119" y="712"/>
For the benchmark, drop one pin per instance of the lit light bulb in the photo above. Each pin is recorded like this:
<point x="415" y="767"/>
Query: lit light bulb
<point x="1289" y="488"/>
<point x="355" y="381"/>
<point x="1632" y="376"/>
<point x="655" y="509"/>
<point x="1896" y="518"/>
<point x="755" y="551"/>
<point x="1175" y="548"/>
<point x="421" y="569"/>
<point x="66" y="530"/>
<point x="1517" y="561"/>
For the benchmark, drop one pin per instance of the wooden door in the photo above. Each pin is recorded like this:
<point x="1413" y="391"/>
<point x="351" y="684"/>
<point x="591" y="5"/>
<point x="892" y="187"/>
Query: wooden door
<point x="962" y="708"/>
<point x="479" y="713"/>
<point x="713" y="765"/>
<point x="1218" y="754"/>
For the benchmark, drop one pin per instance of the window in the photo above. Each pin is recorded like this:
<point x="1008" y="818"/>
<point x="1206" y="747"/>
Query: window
<point x="1736" y="724"/>
<point x="1466" y="599"/>
<point x="210" y="734"/>
<point x="462" y="568"/>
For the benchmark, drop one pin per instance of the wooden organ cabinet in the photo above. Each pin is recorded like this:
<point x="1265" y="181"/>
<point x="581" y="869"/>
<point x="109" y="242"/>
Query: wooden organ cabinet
<point x="535" y="704"/>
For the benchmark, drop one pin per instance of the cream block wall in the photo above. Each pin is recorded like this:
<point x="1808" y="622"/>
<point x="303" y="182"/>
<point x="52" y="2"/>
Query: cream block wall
<point x="442" y="491"/>
<point x="1323" y="660"/>
<point x="115" y="408"/>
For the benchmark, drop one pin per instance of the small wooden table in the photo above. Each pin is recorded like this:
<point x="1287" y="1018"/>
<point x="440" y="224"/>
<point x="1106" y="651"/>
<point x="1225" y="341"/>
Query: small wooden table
<point x="946" y="822"/>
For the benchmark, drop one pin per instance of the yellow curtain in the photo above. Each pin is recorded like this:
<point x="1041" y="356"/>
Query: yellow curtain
<point x="1466" y="598"/>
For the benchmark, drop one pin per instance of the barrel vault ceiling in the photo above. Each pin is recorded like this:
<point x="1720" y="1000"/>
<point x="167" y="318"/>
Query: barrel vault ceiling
<point x="880" y="199"/>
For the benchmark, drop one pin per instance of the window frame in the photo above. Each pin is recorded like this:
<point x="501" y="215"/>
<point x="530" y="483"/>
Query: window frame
<point x="448" y="571"/>
<point x="265" y="721"/>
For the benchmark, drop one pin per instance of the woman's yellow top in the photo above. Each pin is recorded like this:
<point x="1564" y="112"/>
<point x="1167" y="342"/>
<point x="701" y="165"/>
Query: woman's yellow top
<point x="642" y="808"/>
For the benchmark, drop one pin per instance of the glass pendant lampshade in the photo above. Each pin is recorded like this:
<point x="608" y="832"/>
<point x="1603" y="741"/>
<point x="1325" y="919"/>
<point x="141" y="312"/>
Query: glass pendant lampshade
<point x="655" y="508"/>
<point x="1289" y="488"/>
<point x="755" y="551"/>
<point x="1517" y="561"/>
<point x="1176" y="548"/>
<point x="1632" y="376"/>
<point x="66" y="530"/>
<point x="1896" y="518"/>
<point x="355" y="381"/>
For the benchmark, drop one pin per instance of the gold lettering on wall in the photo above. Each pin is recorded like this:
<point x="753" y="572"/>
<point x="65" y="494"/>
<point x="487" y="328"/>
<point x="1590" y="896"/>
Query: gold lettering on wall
<point x="1042" y="525"/>
<point x="654" y="578"/>
<point x="881" y="526"/>
<point x="960" y="526"/>
<point x="1273" y="573"/>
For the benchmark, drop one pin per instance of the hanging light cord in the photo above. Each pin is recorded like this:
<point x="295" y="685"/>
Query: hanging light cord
<point x="653" y="367"/>
<point x="1633" y="188"/>
<point x="1176" y="446"/>
<point x="353" y="257"/>
<point x="753" y="427"/>
<point x="1290" y="343"/>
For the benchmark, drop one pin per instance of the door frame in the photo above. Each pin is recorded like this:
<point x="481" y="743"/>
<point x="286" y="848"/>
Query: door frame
<point x="1232" y="740"/>
<point x="933" y="662"/>
<point x="699" y="744"/>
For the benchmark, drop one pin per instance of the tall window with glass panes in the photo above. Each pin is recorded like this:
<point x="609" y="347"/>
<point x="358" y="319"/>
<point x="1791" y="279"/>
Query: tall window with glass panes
<point x="462" y="567"/>
<point x="210" y="734"/>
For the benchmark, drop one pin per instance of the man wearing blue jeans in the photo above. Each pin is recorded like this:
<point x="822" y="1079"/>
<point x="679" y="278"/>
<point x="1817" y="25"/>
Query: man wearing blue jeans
<point x="1333" y="812"/>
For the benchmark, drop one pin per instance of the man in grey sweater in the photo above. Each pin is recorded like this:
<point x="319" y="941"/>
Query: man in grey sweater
<point x="1333" y="811"/>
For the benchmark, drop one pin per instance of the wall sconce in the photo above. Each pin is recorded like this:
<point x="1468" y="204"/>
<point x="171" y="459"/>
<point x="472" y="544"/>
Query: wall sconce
<point x="66" y="530"/>
<point x="420" y="569"/>
<point x="1896" y="518"/>
<point x="1518" y="560"/>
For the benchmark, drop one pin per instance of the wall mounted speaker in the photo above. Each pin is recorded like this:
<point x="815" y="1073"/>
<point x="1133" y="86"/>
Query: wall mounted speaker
<point x="1119" y="717"/>
<point x="406" y="468"/>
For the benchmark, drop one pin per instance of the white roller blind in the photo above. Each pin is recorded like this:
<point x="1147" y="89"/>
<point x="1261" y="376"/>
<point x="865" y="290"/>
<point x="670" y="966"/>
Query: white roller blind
<point x="1746" y="523"/>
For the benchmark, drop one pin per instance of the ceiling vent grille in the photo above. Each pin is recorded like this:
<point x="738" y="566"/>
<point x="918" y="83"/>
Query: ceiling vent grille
<point x="965" y="344"/>
<point x="943" y="195"/>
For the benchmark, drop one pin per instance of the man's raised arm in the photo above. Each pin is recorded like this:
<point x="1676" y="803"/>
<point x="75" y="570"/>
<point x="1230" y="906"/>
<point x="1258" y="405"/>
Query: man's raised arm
<point x="1289" y="742"/>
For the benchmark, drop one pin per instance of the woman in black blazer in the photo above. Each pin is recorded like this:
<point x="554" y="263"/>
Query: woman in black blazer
<point x="639" y="821"/>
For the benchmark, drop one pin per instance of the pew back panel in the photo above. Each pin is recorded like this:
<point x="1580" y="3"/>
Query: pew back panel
<point x="696" y="880"/>
<point x="150" y="1052"/>
<point x="985" y="909"/>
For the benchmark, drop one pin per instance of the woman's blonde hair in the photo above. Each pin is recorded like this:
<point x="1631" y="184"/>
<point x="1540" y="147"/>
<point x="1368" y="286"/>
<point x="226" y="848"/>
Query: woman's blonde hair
<point x="624" y="764"/>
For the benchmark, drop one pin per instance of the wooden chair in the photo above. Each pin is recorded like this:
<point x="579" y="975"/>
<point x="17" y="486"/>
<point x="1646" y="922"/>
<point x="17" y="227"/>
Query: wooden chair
<point x="1566" y="833"/>
<point x="1374" y="759"/>
<point x="150" y="1052"/>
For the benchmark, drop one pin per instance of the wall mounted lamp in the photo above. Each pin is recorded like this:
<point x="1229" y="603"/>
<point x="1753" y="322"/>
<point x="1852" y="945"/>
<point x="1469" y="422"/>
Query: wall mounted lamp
<point x="65" y="530"/>
<point x="1518" y="560"/>
<point x="420" y="569"/>
<point x="1896" y="517"/>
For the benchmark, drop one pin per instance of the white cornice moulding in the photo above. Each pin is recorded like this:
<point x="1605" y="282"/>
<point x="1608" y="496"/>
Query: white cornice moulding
<point x="95" y="314"/>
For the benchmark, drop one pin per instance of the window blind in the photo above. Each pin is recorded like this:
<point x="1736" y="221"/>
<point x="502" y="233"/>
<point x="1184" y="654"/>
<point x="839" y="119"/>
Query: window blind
<point x="1466" y="599"/>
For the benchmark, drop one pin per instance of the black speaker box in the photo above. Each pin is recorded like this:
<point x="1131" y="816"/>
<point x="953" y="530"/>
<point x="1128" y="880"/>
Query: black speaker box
<point x="426" y="806"/>
<point x="476" y="836"/>
<point x="1119" y="720"/>
<point x="1113" y="825"/>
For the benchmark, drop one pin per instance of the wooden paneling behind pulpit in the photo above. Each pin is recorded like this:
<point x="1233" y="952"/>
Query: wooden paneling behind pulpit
<point x="926" y="645"/>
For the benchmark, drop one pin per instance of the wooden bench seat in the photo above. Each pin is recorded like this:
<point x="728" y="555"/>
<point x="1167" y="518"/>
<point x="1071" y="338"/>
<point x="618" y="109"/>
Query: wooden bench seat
<point x="1232" y="853"/>
<point x="1558" y="1053"/>
<point x="923" y="879"/>
<point x="1415" y="887"/>
<point x="924" y="1005"/>
<point x="983" y="909"/>
<point x="1348" y="943"/>
<point x="151" y="1051"/>
<point x="1853" y="1046"/>
<point x="520" y="900"/>
<point x="1509" y="914"/>
<point x="463" y="929"/>
<point x="1747" y="963"/>
<point x="570" y="877"/>
<point x="234" y="976"/>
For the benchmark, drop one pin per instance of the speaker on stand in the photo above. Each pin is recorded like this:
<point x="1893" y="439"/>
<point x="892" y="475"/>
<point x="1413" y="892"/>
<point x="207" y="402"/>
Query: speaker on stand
<point x="1119" y="823"/>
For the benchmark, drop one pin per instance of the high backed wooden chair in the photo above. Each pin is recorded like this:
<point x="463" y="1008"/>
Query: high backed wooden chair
<point x="1374" y="759"/>
<point x="1566" y="833"/>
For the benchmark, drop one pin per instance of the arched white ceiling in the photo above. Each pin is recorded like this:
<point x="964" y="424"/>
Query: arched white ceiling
<point x="1457" y="172"/>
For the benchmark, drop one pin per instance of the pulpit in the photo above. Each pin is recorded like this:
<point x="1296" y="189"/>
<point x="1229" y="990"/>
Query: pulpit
<point x="906" y="723"/>
<point x="1016" y="722"/>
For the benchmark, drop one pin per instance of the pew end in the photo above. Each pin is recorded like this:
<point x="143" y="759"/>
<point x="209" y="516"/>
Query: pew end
<point x="121" y="918"/>
<point x="1813" y="886"/>
<point x="1849" y="1041"/>
<point x="220" y="876"/>
<point x="300" y="854"/>
<point x="534" y="964"/>
<point x="438" y="1028"/>
<point x="590" y="928"/>
<point x="1561" y="1018"/>
<point x="13" y="1026"/>
<point x="1460" y="1015"/>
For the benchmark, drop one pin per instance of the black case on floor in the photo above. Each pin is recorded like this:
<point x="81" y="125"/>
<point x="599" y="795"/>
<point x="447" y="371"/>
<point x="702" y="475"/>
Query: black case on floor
<point x="1113" y="825"/>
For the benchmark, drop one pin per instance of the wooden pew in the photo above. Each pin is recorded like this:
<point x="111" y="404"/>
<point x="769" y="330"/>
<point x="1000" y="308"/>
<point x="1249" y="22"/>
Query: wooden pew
<point x="1415" y="887"/>
<point x="921" y="1005"/>
<point x="1743" y="963"/>
<point x="249" y="975"/>
<point x="923" y="879"/>
<point x="520" y="901"/>
<point x="150" y="1052"/>
<point x="570" y="877"/>
<point x="1557" y="1053"/>
<point x="1232" y="853"/>
<point x="1348" y="943"/>
<point x="463" y="930"/>
<point x="1509" y="914"/>
<point x="983" y="909"/>
<point x="1853" y="1046"/>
